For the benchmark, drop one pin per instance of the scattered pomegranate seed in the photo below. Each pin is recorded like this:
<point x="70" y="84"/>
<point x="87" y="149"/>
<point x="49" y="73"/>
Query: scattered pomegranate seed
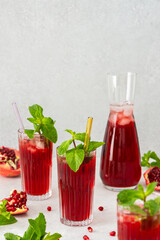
<point x="113" y="233"/>
<point x="85" y="237"/>
<point x="49" y="208"/>
<point x="90" y="229"/>
<point x="100" y="208"/>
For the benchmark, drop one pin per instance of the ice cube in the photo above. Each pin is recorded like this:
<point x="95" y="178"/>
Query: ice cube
<point x="128" y="111"/>
<point x="40" y="144"/>
<point x="120" y="116"/>
<point x="124" y="121"/>
<point x="113" y="118"/>
<point x="116" y="108"/>
<point x="31" y="149"/>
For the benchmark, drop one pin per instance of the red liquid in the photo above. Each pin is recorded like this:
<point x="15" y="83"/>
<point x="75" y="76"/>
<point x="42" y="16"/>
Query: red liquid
<point x="36" y="165"/>
<point x="131" y="227"/>
<point x="120" y="158"/>
<point x="76" y="189"/>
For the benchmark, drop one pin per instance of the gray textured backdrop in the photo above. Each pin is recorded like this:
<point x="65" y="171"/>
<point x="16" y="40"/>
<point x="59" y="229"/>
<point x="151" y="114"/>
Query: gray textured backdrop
<point x="57" y="53"/>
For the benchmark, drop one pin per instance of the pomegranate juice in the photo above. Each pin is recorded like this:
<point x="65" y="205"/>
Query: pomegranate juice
<point x="76" y="190"/>
<point x="120" y="158"/>
<point x="134" y="227"/>
<point x="36" y="164"/>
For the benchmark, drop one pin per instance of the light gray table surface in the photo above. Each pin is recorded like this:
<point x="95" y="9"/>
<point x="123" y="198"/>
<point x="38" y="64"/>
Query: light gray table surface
<point x="103" y="223"/>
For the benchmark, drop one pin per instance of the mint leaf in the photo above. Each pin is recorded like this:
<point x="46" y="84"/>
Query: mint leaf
<point x="29" y="234"/>
<point x="11" y="236"/>
<point x="150" y="188"/>
<point x="128" y="197"/>
<point x="3" y="206"/>
<point x="50" y="132"/>
<point x="75" y="158"/>
<point x="138" y="210"/>
<point x="34" y="120"/>
<point x="48" y="120"/>
<point x="5" y="217"/>
<point x="146" y="160"/>
<point x="64" y="147"/>
<point x="6" y="214"/>
<point x="141" y="189"/>
<point x="37" y="127"/>
<point x="157" y="200"/>
<point x="54" y="236"/>
<point x="35" y="231"/>
<point x="36" y="111"/>
<point x="30" y="133"/>
<point x="152" y="206"/>
<point x="7" y="221"/>
<point x="41" y="222"/>
<point x="80" y="146"/>
<point x="70" y="131"/>
<point x="42" y="125"/>
<point x="36" y="227"/>
<point x="94" y="145"/>
<point x="80" y="137"/>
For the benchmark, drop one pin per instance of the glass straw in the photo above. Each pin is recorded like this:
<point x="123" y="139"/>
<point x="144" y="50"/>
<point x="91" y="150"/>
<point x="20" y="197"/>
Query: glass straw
<point x="18" y="116"/>
<point x="88" y="133"/>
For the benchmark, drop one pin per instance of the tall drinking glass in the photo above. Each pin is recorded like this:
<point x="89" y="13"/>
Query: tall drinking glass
<point x="120" y="158"/>
<point x="76" y="190"/>
<point x="135" y="226"/>
<point x="36" y="165"/>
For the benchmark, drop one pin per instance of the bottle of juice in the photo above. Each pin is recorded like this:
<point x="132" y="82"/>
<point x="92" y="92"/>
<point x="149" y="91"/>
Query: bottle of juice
<point x="120" y="158"/>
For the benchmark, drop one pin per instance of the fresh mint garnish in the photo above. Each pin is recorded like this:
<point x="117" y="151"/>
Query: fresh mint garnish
<point x="150" y="156"/>
<point x="128" y="198"/>
<point x="35" y="231"/>
<point x="5" y="217"/>
<point x="43" y="125"/>
<point x="75" y="156"/>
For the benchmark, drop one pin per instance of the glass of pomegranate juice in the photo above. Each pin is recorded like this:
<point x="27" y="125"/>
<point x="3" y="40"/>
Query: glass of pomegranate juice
<point x="35" y="148"/>
<point x="76" y="180"/>
<point x="36" y="165"/>
<point x="140" y="221"/>
<point x="120" y="158"/>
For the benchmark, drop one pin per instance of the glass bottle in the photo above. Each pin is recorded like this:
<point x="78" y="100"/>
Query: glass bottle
<point x="120" y="158"/>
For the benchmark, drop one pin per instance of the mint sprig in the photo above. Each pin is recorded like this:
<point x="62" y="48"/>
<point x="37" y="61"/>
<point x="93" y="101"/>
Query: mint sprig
<point x="150" y="159"/>
<point x="75" y="156"/>
<point x="43" y="125"/>
<point x="35" y="231"/>
<point x="5" y="217"/>
<point x="128" y="198"/>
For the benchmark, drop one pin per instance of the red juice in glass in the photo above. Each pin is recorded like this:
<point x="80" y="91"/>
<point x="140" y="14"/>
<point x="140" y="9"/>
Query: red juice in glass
<point x="76" y="190"/>
<point x="120" y="158"/>
<point x="36" y="165"/>
<point x="132" y="226"/>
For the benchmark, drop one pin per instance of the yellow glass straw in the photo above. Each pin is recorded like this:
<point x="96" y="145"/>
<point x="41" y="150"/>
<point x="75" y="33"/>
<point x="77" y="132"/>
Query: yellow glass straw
<point x="88" y="133"/>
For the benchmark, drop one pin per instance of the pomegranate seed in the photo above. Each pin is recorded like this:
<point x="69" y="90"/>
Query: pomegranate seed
<point x="90" y="229"/>
<point x="85" y="237"/>
<point x="49" y="208"/>
<point x="100" y="208"/>
<point x="14" y="192"/>
<point x="113" y="233"/>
